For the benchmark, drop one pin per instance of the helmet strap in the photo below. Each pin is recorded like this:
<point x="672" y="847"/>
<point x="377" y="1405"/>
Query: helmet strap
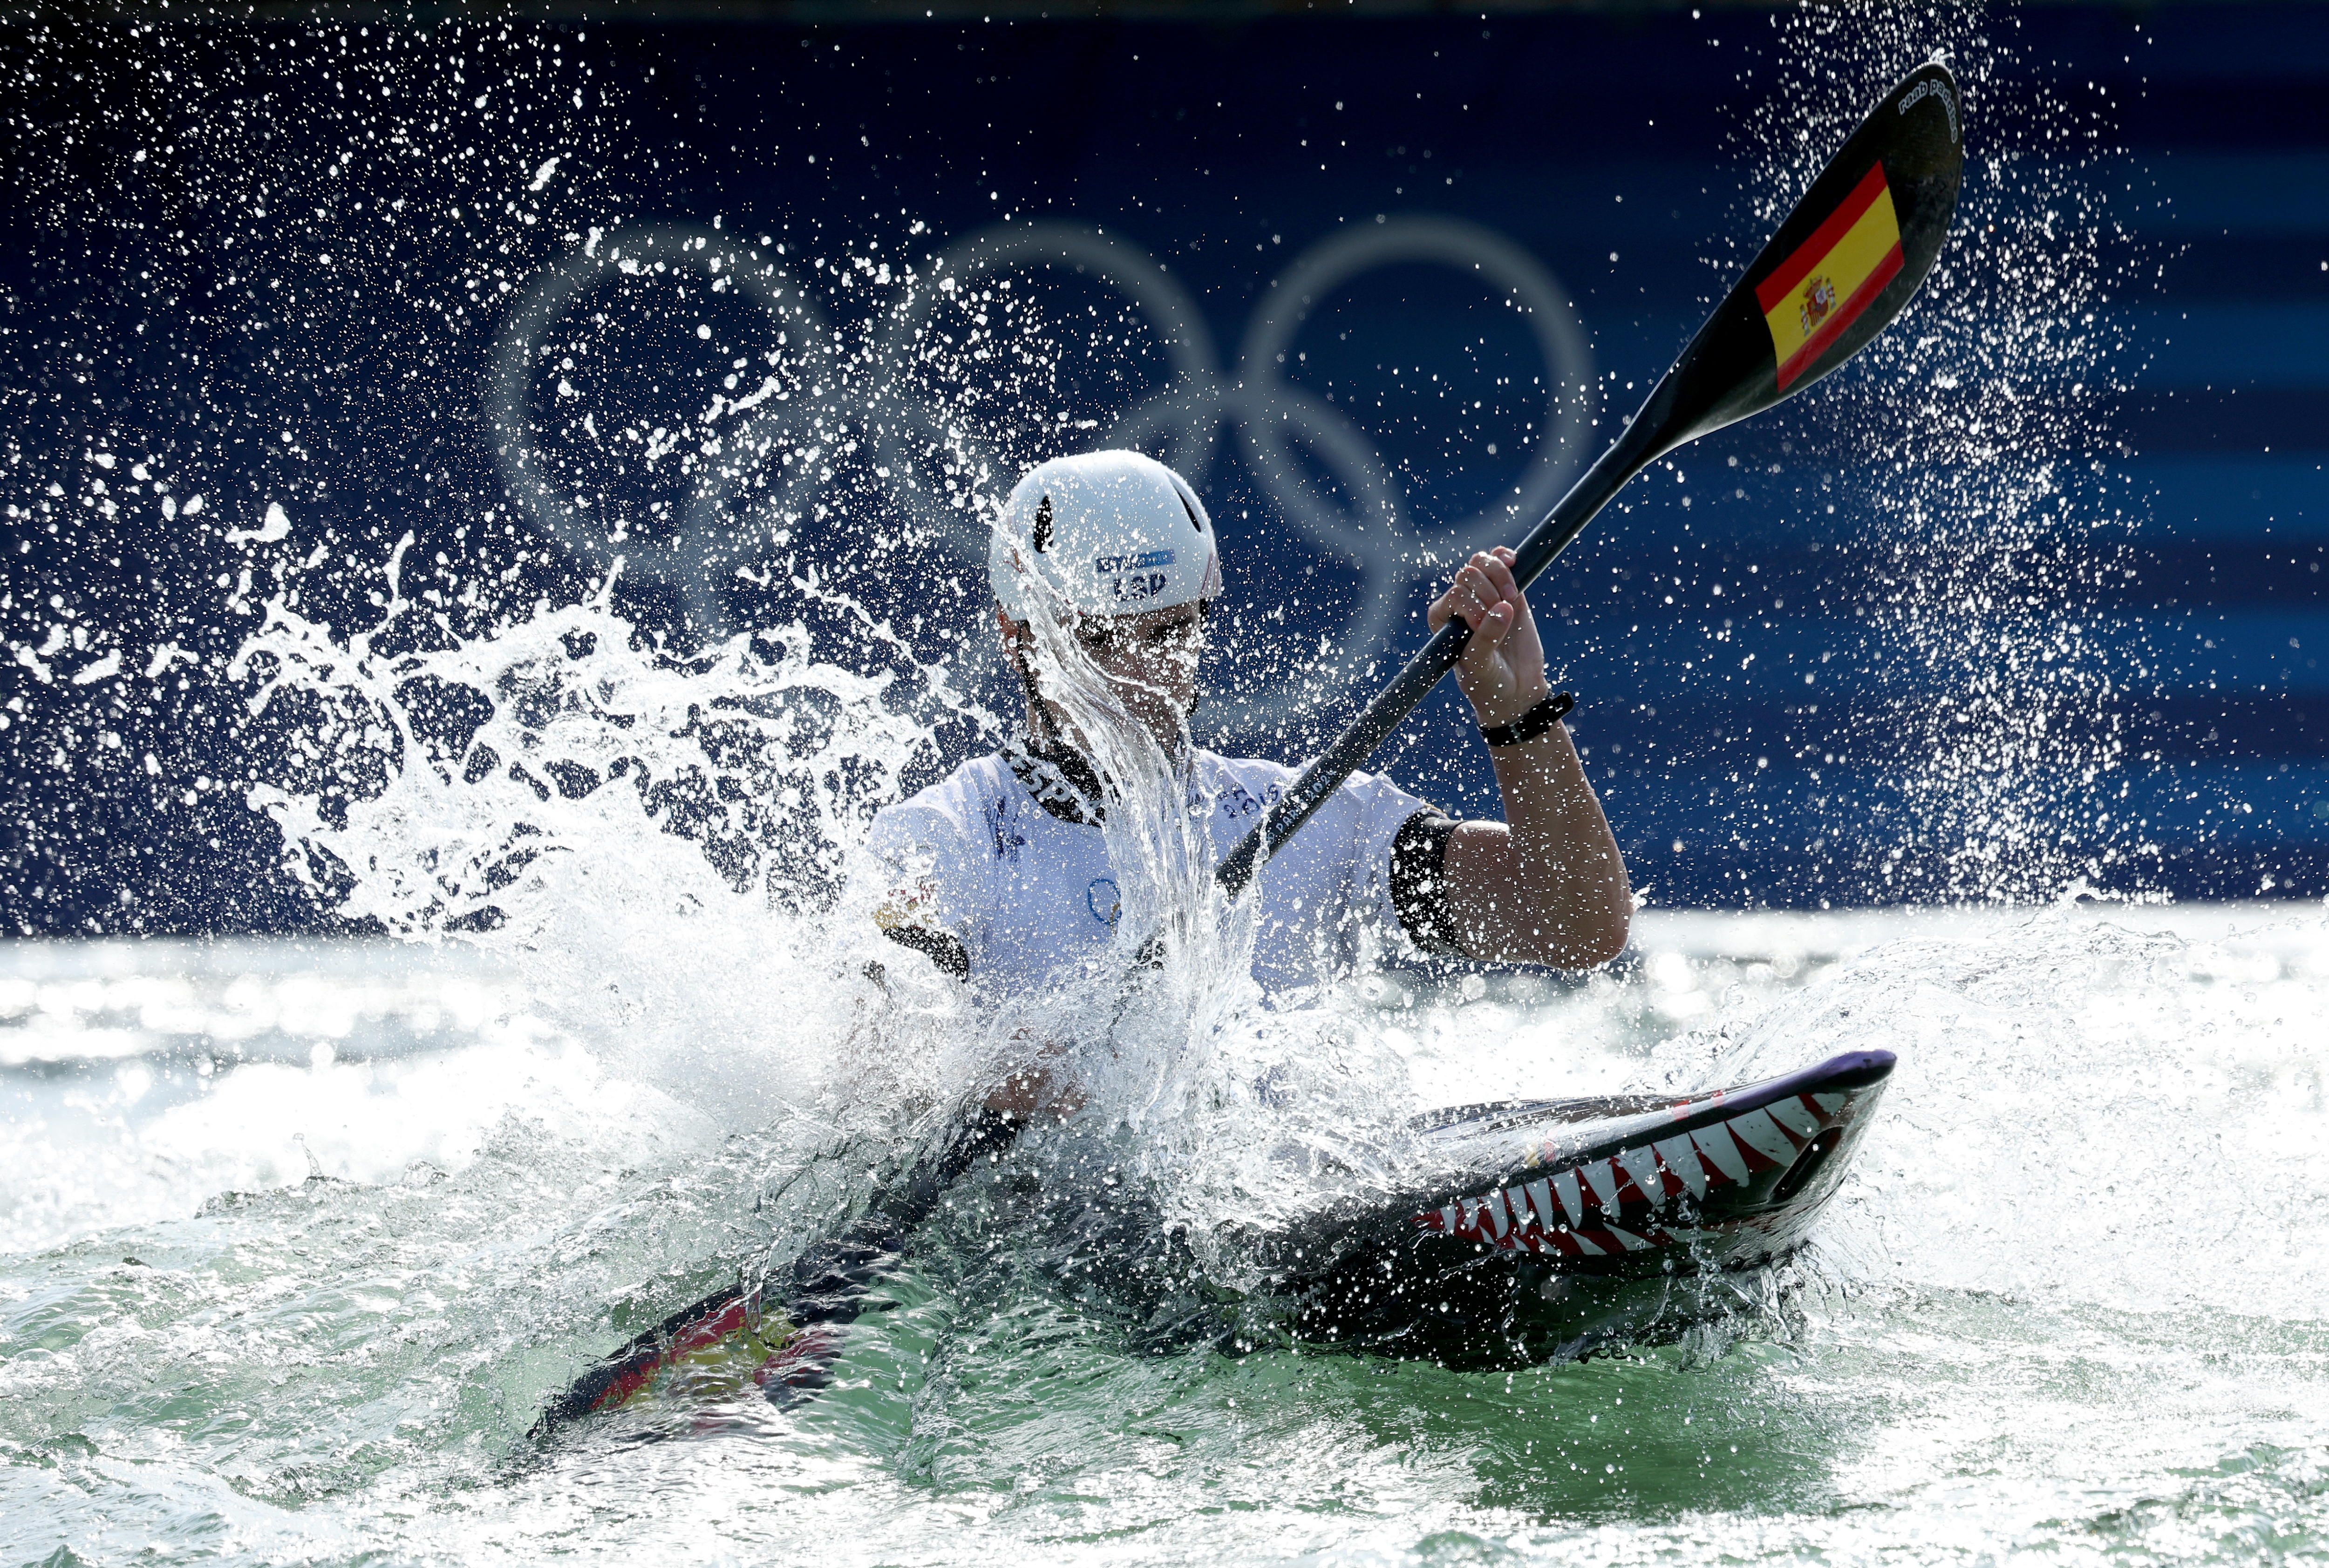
<point x="1039" y="721"/>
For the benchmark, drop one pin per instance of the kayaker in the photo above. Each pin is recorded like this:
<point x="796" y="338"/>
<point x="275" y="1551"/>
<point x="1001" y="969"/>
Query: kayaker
<point x="1002" y="875"/>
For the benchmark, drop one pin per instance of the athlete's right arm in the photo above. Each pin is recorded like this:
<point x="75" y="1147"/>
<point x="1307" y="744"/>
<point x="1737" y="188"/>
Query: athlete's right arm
<point x="1547" y="885"/>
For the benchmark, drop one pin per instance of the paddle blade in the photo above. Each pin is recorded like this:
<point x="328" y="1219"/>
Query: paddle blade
<point x="1848" y="259"/>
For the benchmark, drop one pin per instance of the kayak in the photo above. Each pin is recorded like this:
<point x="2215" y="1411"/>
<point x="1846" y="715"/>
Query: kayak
<point x="1548" y="1216"/>
<point x="1535" y="1231"/>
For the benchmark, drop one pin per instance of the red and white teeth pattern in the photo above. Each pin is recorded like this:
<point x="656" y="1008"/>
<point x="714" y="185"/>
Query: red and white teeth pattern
<point x="1572" y="1212"/>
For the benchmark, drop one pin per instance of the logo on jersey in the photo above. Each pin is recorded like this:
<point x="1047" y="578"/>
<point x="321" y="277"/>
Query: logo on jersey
<point x="1237" y="801"/>
<point x="1003" y="824"/>
<point x="1104" y="902"/>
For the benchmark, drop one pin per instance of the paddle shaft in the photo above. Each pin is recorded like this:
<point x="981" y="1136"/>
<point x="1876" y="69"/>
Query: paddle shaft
<point x="1632" y="452"/>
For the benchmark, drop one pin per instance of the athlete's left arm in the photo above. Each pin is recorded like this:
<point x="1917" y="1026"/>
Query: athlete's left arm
<point x="1546" y="885"/>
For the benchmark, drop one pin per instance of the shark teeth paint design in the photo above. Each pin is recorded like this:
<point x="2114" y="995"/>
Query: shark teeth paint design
<point x="1721" y="1152"/>
<point x="1797" y="1117"/>
<point x="1682" y="1160"/>
<point x="1601" y="1176"/>
<point x="1572" y="1200"/>
<point x="1610" y="1242"/>
<point x="1757" y="1131"/>
<point x="1642" y="1166"/>
<point x="1540" y="1192"/>
<point x="1525" y="1215"/>
<point x="1549" y="1214"/>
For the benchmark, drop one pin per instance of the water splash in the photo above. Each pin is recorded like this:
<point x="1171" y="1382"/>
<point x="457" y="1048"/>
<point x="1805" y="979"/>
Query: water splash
<point x="661" y="840"/>
<point x="1989" y="474"/>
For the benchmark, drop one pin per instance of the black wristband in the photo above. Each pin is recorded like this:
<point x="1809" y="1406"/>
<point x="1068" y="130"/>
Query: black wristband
<point x="1538" y="721"/>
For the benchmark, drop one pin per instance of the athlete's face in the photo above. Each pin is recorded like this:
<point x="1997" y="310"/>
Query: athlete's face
<point x="1149" y="661"/>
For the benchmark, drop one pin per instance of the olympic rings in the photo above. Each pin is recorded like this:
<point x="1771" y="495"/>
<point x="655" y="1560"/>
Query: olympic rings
<point x="1180" y="424"/>
<point x="1465" y="247"/>
<point x="520" y="350"/>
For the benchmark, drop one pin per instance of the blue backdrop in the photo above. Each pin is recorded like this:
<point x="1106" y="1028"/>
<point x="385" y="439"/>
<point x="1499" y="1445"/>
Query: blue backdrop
<point x="2033" y="594"/>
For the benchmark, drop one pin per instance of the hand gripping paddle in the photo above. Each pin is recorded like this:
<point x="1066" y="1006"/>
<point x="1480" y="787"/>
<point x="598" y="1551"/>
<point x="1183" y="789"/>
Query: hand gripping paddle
<point x="1847" y="260"/>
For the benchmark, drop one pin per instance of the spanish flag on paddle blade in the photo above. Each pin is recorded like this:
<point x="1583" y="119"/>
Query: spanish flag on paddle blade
<point x="1832" y="276"/>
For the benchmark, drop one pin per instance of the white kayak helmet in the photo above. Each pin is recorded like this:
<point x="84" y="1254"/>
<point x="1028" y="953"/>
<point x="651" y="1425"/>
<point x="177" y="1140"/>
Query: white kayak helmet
<point x="1109" y="534"/>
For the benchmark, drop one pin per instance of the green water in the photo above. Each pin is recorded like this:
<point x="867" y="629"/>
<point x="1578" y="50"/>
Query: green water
<point x="2067" y="1308"/>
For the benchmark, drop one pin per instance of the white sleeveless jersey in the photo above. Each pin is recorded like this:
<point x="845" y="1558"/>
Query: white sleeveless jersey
<point x="977" y="858"/>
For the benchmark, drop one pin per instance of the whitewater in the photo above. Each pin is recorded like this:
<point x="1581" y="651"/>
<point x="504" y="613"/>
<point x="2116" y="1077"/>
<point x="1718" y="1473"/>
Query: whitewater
<point x="298" y="1237"/>
<point x="302" y="1236"/>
